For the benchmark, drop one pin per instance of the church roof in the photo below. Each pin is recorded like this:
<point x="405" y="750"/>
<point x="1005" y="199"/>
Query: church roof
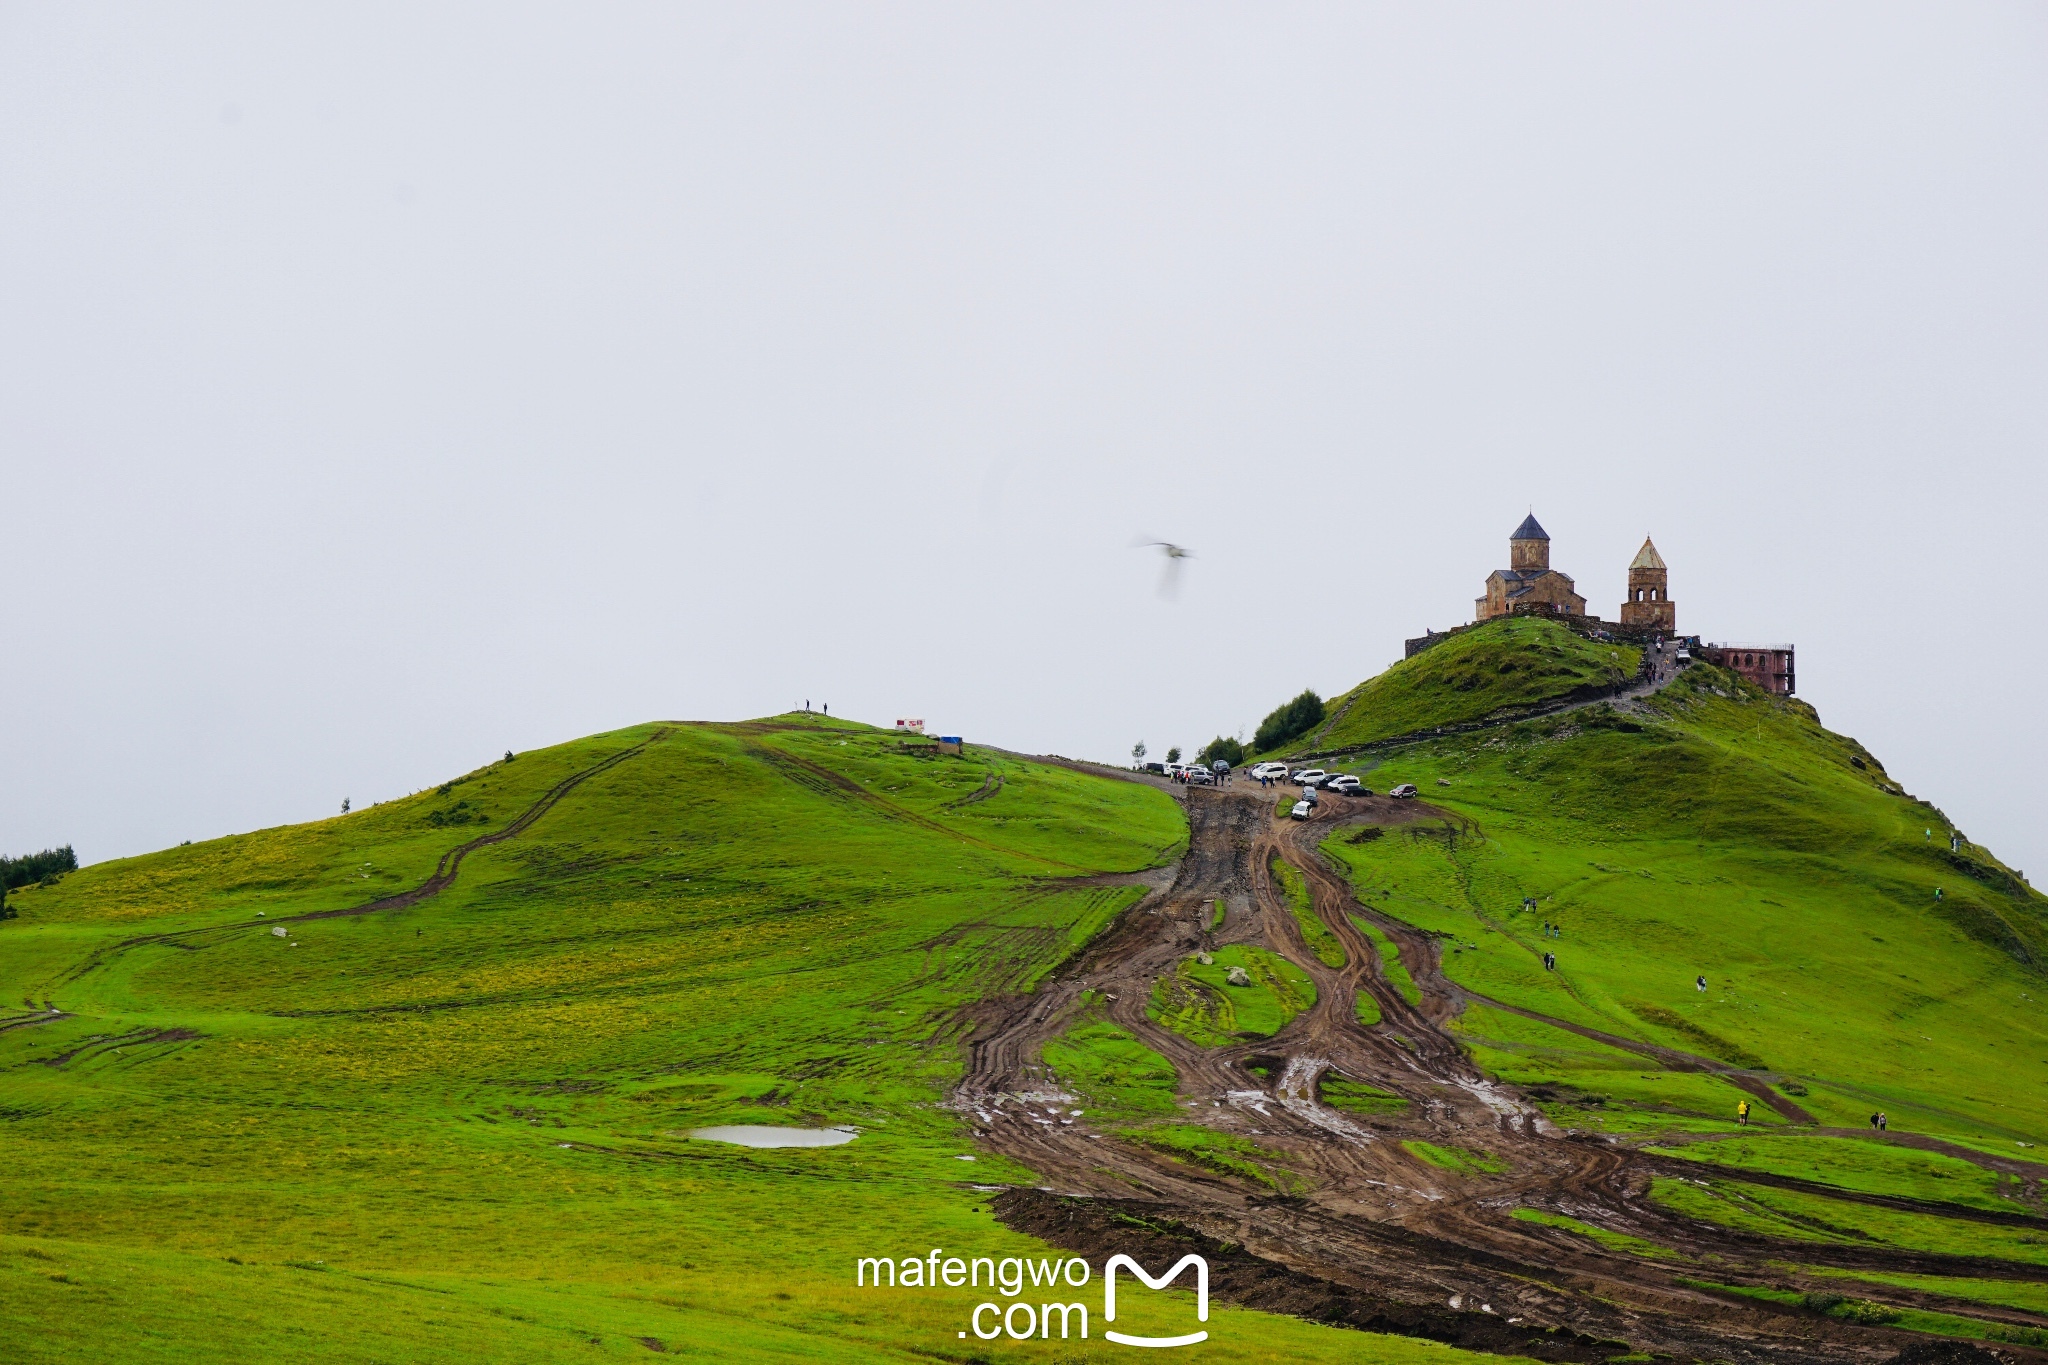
<point x="1529" y="530"/>
<point x="1647" y="557"/>
<point x="1527" y="577"/>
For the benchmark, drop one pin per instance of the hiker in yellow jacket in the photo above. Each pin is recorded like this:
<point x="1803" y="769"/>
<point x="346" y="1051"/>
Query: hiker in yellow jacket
<point x="1742" y="1113"/>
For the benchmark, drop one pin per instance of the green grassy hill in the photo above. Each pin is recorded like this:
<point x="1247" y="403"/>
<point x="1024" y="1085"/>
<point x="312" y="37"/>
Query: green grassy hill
<point x="1718" y="831"/>
<point x="456" y="1127"/>
<point x="1853" y="961"/>
<point x="1496" y="667"/>
<point x="458" y="1130"/>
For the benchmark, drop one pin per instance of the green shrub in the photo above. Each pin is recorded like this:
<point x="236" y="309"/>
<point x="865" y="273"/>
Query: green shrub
<point x="1866" y="1313"/>
<point x="1291" y="721"/>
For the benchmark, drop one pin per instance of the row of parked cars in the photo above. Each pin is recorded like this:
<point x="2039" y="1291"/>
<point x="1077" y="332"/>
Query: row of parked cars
<point x="1191" y="772"/>
<point x="1316" y="779"/>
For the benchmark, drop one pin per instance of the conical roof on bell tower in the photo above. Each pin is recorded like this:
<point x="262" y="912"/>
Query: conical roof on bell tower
<point x="1647" y="557"/>
<point x="1530" y="529"/>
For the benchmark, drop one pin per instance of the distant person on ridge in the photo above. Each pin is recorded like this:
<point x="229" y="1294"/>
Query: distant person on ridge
<point x="1742" y="1113"/>
<point x="1700" y="982"/>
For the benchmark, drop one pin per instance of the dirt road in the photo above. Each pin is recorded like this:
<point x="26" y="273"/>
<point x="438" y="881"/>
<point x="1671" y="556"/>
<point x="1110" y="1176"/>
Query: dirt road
<point x="1383" y="1239"/>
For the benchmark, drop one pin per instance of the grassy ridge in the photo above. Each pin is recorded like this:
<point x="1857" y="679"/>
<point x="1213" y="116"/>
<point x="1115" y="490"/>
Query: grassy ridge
<point x="1852" y="960"/>
<point x="1503" y="664"/>
<point x="459" y="1131"/>
<point x="1724" y="833"/>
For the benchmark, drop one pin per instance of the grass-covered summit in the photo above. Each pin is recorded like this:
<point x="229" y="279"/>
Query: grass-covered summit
<point x="445" y="1113"/>
<point x="1714" y="830"/>
<point x="1853" y="962"/>
<point x="1492" y="668"/>
<point x="455" y="1127"/>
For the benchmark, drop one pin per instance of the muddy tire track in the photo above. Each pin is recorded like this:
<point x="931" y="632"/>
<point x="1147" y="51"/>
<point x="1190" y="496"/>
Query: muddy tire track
<point x="1671" y="1059"/>
<point x="48" y="1016"/>
<point x="1383" y="1238"/>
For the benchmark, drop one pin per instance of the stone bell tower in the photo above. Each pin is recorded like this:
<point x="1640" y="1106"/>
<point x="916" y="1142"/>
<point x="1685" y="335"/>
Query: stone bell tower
<point x="1649" y="595"/>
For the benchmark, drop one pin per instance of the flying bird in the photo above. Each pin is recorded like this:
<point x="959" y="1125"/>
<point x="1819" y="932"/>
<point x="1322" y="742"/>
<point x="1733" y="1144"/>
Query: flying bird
<point x="1169" y="580"/>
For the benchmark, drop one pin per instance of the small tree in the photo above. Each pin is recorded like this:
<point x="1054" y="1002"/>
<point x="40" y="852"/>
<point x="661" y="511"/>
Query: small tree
<point x="1138" y="754"/>
<point x="1228" y="750"/>
<point x="1296" y="718"/>
<point x="1173" y="754"/>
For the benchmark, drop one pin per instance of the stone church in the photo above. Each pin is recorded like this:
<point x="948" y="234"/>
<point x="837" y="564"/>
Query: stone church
<point x="1529" y="584"/>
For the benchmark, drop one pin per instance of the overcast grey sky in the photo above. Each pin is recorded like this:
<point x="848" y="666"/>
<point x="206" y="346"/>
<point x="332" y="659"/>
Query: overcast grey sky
<point x="383" y="387"/>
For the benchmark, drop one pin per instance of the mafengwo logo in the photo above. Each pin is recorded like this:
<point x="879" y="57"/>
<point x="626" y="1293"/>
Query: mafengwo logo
<point x="1021" y="1319"/>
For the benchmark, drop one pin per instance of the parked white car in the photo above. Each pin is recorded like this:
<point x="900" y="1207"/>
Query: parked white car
<point x="1266" y="770"/>
<point x="1302" y="810"/>
<point x="1308" y="777"/>
<point x="1345" y="784"/>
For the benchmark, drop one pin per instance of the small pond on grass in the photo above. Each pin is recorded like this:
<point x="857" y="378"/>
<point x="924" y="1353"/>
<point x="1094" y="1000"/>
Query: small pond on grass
<point x="760" y="1135"/>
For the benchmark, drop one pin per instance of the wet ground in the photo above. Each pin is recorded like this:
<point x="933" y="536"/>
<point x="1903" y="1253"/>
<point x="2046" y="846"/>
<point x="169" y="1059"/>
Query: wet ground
<point x="1382" y="1239"/>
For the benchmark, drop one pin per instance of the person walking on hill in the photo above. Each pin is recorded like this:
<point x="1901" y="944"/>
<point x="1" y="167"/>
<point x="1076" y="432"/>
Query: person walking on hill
<point x="1699" y="983"/>
<point x="1742" y="1113"/>
<point x="1884" y="1125"/>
